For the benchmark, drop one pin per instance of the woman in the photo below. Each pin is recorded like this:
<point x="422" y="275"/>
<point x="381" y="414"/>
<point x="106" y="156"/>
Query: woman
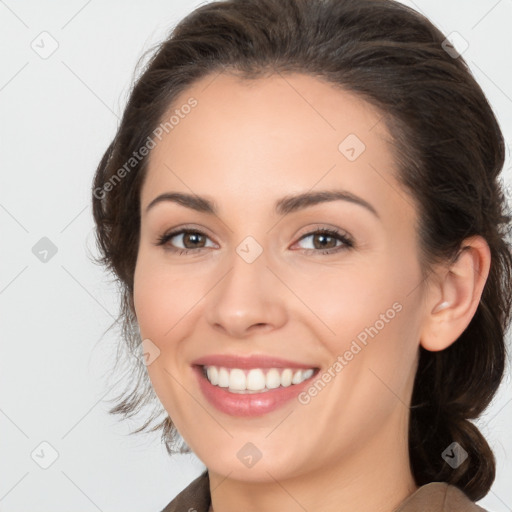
<point x="303" y="210"/>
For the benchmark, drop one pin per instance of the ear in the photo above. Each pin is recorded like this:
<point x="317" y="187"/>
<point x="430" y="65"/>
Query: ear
<point x="452" y="301"/>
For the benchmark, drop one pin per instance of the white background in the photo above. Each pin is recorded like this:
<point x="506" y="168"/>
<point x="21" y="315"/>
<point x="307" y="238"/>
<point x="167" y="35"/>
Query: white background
<point x="57" y="117"/>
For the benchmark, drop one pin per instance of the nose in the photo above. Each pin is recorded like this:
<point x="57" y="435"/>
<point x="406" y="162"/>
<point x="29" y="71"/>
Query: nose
<point x="248" y="299"/>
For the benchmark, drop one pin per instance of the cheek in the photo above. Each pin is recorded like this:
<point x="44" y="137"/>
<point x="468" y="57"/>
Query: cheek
<point x="163" y="296"/>
<point x="372" y="348"/>
<point x="369" y="311"/>
<point x="161" y="301"/>
<point x="149" y="296"/>
<point x="348" y="299"/>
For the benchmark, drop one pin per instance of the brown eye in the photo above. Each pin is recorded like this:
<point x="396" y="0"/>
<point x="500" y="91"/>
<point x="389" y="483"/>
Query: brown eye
<point x="194" y="239"/>
<point x="324" y="241"/>
<point x="328" y="240"/>
<point x="184" y="240"/>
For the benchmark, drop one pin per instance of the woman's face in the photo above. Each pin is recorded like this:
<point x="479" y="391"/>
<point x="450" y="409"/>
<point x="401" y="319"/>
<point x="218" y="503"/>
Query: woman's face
<point x="252" y="280"/>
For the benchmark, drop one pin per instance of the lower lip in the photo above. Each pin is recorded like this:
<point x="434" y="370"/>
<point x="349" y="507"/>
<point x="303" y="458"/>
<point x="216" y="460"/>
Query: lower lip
<point x="250" y="404"/>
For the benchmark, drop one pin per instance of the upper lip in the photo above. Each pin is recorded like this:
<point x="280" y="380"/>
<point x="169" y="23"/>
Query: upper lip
<point x="253" y="361"/>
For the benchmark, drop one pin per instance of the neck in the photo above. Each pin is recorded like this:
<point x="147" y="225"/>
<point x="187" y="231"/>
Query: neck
<point x="375" y="479"/>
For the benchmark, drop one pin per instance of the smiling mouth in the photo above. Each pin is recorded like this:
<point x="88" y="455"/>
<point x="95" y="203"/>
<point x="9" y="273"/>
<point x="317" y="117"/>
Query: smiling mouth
<point x="255" y="380"/>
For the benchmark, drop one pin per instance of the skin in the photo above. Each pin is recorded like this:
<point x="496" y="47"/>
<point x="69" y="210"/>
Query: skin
<point x="244" y="146"/>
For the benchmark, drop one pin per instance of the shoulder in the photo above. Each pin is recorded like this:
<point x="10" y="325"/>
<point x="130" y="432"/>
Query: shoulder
<point x="438" y="497"/>
<point x="194" y="498"/>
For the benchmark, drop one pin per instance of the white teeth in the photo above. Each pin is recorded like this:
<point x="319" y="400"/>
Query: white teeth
<point x="273" y="379"/>
<point x="223" y="378"/>
<point x="255" y="380"/>
<point x="237" y="379"/>
<point x="297" y="377"/>
<point x="213" y="375"/>
<point x="307" y="374"/>
<point x="286" y="377"/>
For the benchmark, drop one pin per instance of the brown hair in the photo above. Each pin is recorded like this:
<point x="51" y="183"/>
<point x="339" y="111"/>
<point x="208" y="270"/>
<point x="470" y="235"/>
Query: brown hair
<point x="449" y="152"/>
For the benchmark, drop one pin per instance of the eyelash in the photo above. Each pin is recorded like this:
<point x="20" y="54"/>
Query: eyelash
<point x="333" y="233"/>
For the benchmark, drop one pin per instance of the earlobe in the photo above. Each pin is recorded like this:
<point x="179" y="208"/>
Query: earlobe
<point x="460" y="287"/>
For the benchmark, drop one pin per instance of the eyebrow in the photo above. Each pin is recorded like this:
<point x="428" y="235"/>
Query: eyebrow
<point x="283" y="206"/>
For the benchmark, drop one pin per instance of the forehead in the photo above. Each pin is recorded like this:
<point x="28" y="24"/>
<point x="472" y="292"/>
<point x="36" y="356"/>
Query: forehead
<point x="245" y="140"/>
